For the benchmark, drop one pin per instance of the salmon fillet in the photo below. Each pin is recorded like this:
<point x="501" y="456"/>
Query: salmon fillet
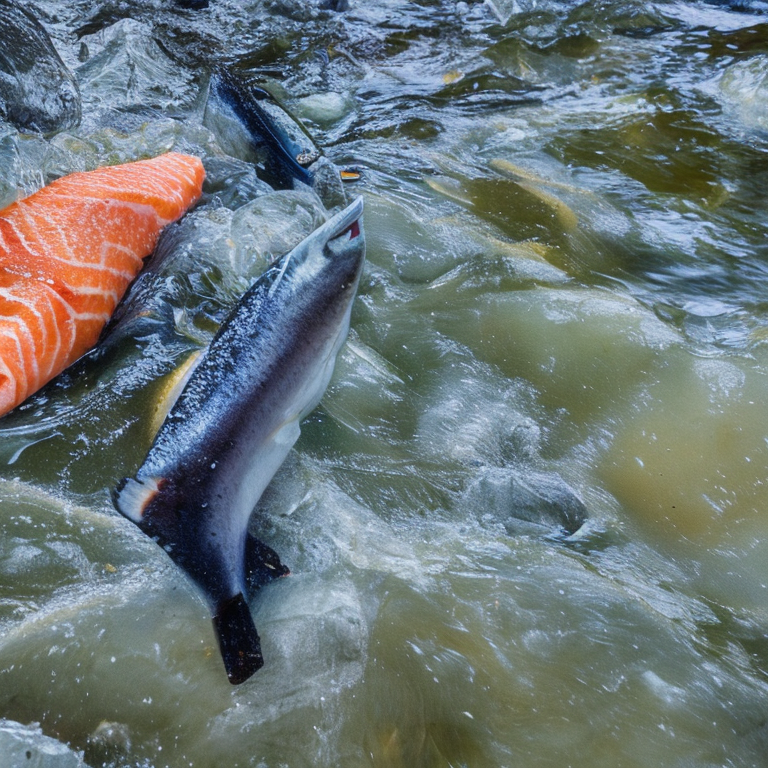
<point x="67" y="254"/>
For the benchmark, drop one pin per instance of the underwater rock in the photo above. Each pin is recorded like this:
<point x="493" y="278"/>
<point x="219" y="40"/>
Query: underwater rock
<point x="270" y="226"/>
<point x="324" y="108"/>
<point x="327" y="183"/>
<point x="132" y="72"/>
<point x="107" y="743"/>
<point x="524" y="500"/>
<point x="25" y="746"/>
<point x="743" y="88"/>
<point x="37" y="91"/>
<point x="233" y="181"/>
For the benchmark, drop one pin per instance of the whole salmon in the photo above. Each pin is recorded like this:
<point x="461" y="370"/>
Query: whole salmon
<point x="67" y="254"/>
<point x="236" y="420"/>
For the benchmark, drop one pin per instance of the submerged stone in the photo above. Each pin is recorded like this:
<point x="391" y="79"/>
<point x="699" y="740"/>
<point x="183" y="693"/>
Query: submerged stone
<point x="744" y="90"/>
<point x="108" y="743"/>
<point x="25" y="746"/>
<point x="524" y="500"/>
<point x="132" y="72"/>
<point x="37" y="91"/>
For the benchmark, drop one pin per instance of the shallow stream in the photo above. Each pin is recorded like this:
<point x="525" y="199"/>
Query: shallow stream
<point x="563" y="316"/>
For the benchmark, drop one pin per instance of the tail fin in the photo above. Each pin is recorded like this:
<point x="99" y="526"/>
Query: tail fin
<point x="238" y="640"/>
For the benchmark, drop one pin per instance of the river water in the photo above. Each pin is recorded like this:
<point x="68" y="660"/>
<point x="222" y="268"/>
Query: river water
<point x="563" y="317"/>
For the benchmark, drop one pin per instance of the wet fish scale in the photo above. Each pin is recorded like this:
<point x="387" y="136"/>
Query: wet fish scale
<point x="67" y="255"/>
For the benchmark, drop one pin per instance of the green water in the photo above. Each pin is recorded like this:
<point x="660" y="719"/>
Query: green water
<point x="565" y="289"/>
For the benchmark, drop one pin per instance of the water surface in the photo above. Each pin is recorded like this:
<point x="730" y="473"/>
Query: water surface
<point x="563" y="311"/>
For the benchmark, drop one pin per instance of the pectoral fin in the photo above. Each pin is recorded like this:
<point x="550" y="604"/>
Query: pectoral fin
<point x="132" y="497"/>
<point x="238" y="640"/>
<point x="262" y="563"/>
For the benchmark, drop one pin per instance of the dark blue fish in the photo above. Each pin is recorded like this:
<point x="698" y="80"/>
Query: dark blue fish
<point x="235" y="421"/>
<point x="252" y="125"/>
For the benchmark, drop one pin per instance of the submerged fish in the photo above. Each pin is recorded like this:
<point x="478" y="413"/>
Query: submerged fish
<point x="251" y="124"/>
<point x="67" y="254"/>
<point x="236" y="420"/>
<point x="37" y="91"/>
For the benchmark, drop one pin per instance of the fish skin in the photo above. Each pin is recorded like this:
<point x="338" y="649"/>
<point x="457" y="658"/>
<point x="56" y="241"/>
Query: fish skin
<point x="67" y="254"/>
<point x="250" y="122"/>
<point x="236" y="420"/>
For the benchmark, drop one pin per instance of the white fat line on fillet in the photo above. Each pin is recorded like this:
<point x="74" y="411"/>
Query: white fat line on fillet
<point x="23" y="328"/>
<point x="32" y="306"/>
<point x="57" y="342"/>
<point x="170" y="180"/>
<point x="54" y="224"/>
<point x="7" y="332"/>
<point x="90" y="266"/>
<point x="63" y="235"/>
<point x="92" y="290"/>
<point x="54" y="297"/>
<point x="85" y="316"/>
<point x="4" y="369"/>
<point x="21" y="207"/>
<point x="3" y="242"/>
<point x="165" y="172"/>
<point x="124" y="249"/>
<point x="172" y="186"/>
<point x="54" y="228"/>
<point x="95" y="290"/>
<point x="53" y="294"/>
<point x="108" y="201"/>
<point x="143" y="209"/>
<point x="162" y="188"/>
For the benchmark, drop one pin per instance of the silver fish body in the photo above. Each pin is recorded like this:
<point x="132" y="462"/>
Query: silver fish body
<point x="236" y="420"/>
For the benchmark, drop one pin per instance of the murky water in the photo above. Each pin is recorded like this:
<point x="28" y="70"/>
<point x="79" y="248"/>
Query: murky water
<point x="563" y="314"/>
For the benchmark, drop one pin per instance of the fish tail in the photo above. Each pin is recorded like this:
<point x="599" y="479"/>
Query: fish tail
<point x="238" y="640"/>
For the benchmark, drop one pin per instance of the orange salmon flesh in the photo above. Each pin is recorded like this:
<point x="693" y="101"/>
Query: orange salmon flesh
<point x="67" y="255"/>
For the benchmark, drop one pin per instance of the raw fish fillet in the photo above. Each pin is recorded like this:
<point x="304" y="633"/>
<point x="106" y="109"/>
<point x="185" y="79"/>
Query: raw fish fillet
<point x="67" y="254"/>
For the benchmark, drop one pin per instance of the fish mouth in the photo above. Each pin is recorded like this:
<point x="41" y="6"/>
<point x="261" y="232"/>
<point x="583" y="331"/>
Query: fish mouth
<point x="346" y="220"/>
<point x="330" y="240"/>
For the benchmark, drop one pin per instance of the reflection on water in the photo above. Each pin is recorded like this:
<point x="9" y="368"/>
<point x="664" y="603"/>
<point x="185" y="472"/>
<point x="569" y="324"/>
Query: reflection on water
<point x="563" y="317"/>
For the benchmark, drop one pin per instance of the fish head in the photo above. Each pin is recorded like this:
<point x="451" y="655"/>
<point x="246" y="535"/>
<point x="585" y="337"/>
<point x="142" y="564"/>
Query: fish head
<point x="333" y="255"/>
<point x="345" y="243"/>
<point x="320" y="277"/>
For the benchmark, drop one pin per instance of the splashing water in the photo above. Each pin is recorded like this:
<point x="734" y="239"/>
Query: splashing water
<point x="562" y="320"/>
